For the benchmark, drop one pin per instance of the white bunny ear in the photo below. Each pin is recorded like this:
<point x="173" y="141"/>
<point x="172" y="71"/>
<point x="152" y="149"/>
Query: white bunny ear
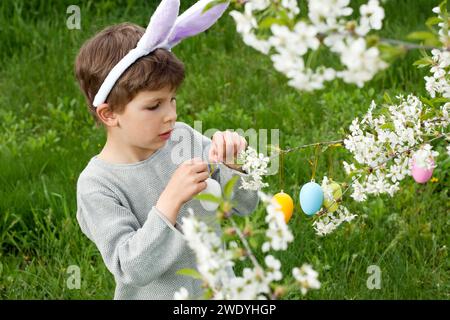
<point x="194" y="21"/>
<point x="164" y="30"/>
<point x="160" y="25"/>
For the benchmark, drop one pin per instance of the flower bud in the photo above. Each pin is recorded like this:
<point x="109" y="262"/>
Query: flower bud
<point x="248" y="231"/>
<point x="230" y="231"/>
<point x="279" y="292"/>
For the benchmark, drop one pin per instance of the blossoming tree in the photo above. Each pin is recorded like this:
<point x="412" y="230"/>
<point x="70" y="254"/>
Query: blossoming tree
<point x="392" y="141"/>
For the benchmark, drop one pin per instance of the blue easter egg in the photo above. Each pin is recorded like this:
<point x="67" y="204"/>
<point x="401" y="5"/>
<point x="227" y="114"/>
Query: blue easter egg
<point x="311" y="198"/>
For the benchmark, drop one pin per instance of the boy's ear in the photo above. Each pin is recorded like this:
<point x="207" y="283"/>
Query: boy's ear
<point x="106" y="115"/>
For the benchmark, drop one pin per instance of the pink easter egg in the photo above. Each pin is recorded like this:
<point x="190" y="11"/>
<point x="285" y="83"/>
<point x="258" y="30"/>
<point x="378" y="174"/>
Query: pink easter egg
<point x="421" y="175"/>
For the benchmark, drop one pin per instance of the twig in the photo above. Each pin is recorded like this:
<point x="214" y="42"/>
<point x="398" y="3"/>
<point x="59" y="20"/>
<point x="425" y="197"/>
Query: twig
<point x="406" y="45"/>
<point x="281" y="151"/>
<point x="247" y="247"/>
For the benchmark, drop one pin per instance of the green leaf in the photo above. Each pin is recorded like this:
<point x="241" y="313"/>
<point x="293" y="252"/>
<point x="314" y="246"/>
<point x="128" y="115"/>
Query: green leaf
<point x="428" y="38"/>
<point x="189" y="273"/>
<point x="266" y="23"/>
<point x="443" y="7"/>
<point x="229" y="186"/>
<point x="426" y="116"/>
<point x="389" y="126"/>
<point x="433" y="21"/>
<point x="253" y="242"/>
<point x="208" y="197"/>
<point x="440" y="100"/>
<point x="387" y="98"/>
<point x="372" y="40"/>
<point x="284" y="19"/>
<point x="420" y="35"/>
<point x="427" y="101"/>
<point x="390" y="53"/>
<point x="424" y="62"/>
<point x="212" y="4"/>
<point x="208" y="294"/>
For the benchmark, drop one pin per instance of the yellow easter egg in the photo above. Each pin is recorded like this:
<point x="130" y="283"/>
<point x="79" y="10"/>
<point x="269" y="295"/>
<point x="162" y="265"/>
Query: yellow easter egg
<point x="286" y="203"/>
<point x="334" y="189"/>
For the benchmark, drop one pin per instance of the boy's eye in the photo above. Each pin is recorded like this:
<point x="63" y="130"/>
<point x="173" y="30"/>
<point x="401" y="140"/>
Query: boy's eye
<point x="153" y="108"/>
<point x="159" y="103"/>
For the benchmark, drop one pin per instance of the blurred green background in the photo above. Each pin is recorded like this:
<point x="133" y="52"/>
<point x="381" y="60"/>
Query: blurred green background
<point x="47" y="137"/>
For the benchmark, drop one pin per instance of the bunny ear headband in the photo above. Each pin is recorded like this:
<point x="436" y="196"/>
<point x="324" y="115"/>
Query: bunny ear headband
<point x="165" y="30"/>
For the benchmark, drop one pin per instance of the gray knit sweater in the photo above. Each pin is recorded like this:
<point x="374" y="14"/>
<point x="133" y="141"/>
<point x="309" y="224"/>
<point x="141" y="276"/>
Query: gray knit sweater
<point x="140" y="247"/>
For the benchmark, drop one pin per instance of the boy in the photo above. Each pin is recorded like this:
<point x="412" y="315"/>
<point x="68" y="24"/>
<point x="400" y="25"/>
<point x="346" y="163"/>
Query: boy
<point x="132" y="195"/>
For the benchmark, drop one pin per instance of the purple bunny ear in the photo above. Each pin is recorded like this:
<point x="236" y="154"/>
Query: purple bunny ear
<point x="194" y="21"/>
<point x="160" y="25"/>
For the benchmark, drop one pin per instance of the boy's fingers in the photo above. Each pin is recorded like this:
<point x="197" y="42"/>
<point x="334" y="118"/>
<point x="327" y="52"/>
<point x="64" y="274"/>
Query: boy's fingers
<point x="213" y="153"/>
<point x="197" y="164"/>
<point x="193" y="160"/>
<point x="220" y="145"/>
<point x="242" y="144"/>
<point x="202" y="176"/>
<point x="229" y="146"/>
<point x="237" y="143"/>
<point x="200" y="166"/>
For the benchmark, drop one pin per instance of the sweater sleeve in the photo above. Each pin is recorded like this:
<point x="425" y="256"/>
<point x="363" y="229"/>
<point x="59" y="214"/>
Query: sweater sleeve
<point x="246" y="200"/>
<point x="134" y="254"/>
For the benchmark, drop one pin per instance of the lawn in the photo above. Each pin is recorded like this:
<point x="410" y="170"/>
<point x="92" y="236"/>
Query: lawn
<point x="47" y="137"/>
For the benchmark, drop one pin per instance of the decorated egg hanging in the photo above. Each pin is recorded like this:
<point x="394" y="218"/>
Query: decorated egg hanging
<point x="212" y="187"/>
<point x="421" y="174"/>
<point x="311" y="198"/>
<point x="332" y="194"/>
<point x="286" y="204"/>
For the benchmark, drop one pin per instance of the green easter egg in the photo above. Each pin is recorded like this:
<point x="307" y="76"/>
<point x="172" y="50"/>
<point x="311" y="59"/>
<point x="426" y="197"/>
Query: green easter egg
<point x="331" y="204"/>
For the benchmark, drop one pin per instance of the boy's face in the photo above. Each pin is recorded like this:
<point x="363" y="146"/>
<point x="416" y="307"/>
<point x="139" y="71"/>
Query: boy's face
<point x="147" y="117"/>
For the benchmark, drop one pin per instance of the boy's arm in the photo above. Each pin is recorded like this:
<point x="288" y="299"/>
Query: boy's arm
<point x="135" y="255"/>
<point x="246" y="200"/>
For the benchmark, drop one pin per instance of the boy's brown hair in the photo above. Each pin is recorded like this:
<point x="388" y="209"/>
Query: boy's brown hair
<point x="102" y="52"/>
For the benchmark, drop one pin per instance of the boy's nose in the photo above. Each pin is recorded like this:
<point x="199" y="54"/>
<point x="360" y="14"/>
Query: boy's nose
<point x="171" y="116"/>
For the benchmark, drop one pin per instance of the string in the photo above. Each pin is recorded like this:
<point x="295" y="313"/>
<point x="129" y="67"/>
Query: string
<point x="316" y="161"/>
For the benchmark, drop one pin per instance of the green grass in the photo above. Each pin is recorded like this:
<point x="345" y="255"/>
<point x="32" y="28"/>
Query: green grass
<point x="47" y="137"/>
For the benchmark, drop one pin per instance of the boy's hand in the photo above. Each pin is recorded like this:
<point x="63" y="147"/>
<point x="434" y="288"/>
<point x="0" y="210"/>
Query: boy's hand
<point x="187" y="181"/>
<point x="225" y="147"/>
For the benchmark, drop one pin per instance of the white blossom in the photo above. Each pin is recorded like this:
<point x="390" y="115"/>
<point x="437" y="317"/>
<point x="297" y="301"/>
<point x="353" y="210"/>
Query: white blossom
<point x="380" y="145"/>
<point x="255" y="165"/>
<point x="362" y="63"/>
<point x="245" y="22"/>
<point x="259" y="4"/>
<point x="327" y="20"/>
<point x="372" y="15"/>
<point x="251" y="40"/>
<point x="291" y="6"/>
<point x="277" y="234"/>
<point x="181" y="294"/>
<point x="325" y="14"/>
<point x="423" y="158"/>
<point x="307" y="277"/>
<point x="438" y="84"/>
<point x="444" y="32"/>
<point x="212" y="259"/>
<point x="329" y="222"/>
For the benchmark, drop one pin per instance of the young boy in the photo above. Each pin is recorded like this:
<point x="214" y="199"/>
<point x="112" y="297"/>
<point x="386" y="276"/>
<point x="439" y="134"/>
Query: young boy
<point x="132" y="196"/>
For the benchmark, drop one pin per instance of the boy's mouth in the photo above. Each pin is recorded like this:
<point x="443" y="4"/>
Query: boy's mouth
<point x="165" y="135"/>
